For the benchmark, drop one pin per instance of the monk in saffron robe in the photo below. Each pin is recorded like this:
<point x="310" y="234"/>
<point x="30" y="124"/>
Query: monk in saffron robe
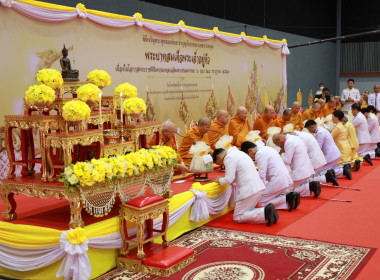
<point x="283" y="120"/>
<point x="218" y="128"/>
<point x="197" y="133"/>
<point x="312" y="113"/>
<point x="239" y="126"/>
<point x="265" y="122"/>
<point x="167" y="138"/>
<point x="322" y="104"/>
<point x="296" y="117"/>
<point x="329" y="108"/>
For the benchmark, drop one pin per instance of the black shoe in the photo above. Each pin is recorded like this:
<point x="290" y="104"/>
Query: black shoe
<point x="378" y="145"/>
<point x="357" y="164"/>
<point x="269" y="214"/>
<point x="331" y="178"/>
<point x="333" y="172"/>
<point x="275" y="216"/>
<point x="291" y="200"/>
<point x="347" y="171"/>
<point x="298" y="199"/>
<point x="377" y="152"/>
<point x="315" y="188"/>
<point x="367" y="158"/>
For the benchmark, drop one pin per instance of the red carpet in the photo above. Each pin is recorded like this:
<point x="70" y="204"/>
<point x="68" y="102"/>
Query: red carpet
<point x="355" y="223"/>
<point x="231" y="255"/>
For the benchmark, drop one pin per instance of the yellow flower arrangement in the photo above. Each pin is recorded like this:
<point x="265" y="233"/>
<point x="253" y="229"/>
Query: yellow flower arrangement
<point x="49" y="77"/>
<point x="81" y="7"/>
<point x="99" y="78"/>
<point x="127" y="89"/>
<point x="75" y="110"/>
<point x="86" y="174"/>
<point x="39" y="94"/>
<point x="76" y="236"/>
<point x="134" y="105"/>
<point x="89" y="92"/>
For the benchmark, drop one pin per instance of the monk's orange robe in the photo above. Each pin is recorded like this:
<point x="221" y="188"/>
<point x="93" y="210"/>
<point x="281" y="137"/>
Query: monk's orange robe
<point x="262" y="125"/>
<point x="297" y="121"/>
<point x="280" y="122"/>
<point x="217" y="130"/>
<point x="164" y="141"/>
<point x="309" y="115"/>
<point x="327" y="111"/>
<point x="191" y="137"/>
<point x="239" y="130"/>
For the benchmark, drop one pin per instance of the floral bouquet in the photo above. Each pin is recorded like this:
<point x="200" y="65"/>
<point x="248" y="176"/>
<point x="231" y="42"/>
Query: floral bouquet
<point x="254" y="137"/>
<point x="86" y="174"/>
<point x="224" y="142"/>
<point x="288" y="128"/>
<point x="49" y="77"/>
<point x="99" y="78"/>
<point x="272" y="131"/>
<point x="134" y="105"/>
<point x="329" y="124"/>
<point x="39" y="95"/>
<point x="75" y="110"/>
<point x="89" y="92"/>
<point x="126" y="89"/>
<point x="199" y="163"/>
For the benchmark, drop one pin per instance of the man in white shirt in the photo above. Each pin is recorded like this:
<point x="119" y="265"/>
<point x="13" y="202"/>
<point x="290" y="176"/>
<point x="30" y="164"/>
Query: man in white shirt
<point x="330" y="150"/>
<point x="350" y="95"/>
<point x="298" y="163"/>
<point x="362" y="133"/>
<point x="241" y="170"/>
<point x="317" y="159"/>
<point x="274" y="175"/>
<point x="374" y="100"/>
<point x="373" y="129"/>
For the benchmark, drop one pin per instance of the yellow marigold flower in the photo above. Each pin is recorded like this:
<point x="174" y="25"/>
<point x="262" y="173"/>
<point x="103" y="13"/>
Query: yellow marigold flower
<point x="99" y="77"/>
<point x="39" y="94"/>
<point x="126" y="89"/>
<point x="49" y="77"/>
<point x="81" y="7"/>
<point x="89" y="92"/>
<point x="134" y="105"/>
<point x="76" y="236"/>
<point x="75" y="110"/>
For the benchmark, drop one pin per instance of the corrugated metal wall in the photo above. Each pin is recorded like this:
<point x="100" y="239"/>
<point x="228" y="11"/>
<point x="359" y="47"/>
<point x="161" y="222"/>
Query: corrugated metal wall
<point x="360" y="57"/>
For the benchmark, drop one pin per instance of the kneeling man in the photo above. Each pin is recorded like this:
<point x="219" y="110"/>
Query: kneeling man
<point x="275" y="176"/>
<point x="297" y="160"/>
<point x="241" y="170"/>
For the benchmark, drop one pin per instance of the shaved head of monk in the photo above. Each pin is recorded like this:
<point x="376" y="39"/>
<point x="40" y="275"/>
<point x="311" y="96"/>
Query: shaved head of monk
<point x="287" y="114"/>
<point x="204" y="124"/>
<point x="279" y="139"/>
<point x="242" y="113"/>
<point x="316" y="107"/>
<point x="269" y="112"/>
<point x="296" y="107"/>
<point x="222" y="116"/>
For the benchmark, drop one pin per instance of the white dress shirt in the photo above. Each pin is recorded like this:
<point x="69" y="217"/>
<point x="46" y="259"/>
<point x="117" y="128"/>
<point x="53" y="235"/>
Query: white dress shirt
<point x="374" y="100"/>
<point x="327" y="144"/>
<point x="373" y="128"/>
<point x="361" y="127"/>
<point x="296" y="157"/>
<point x="272" y="169"/>
<point x="314" y="152"/>
<point x="353" y="93"/>
<point x="241" y="170"/>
